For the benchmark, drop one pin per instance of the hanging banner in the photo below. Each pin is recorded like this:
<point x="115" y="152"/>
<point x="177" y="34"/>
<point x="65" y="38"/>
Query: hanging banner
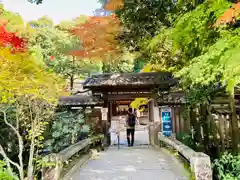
<point x="166" y="115"/>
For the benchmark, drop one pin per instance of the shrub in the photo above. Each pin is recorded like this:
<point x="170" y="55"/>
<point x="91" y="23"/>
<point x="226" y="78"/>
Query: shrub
<point x="187" y="139"/>
<point x="227" y="167"/>
<point x="68" y="128"/>
<point x="4" y="173"/>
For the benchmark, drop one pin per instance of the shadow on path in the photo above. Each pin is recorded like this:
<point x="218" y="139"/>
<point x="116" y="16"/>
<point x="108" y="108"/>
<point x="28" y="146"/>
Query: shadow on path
<point x="135" y="163"/>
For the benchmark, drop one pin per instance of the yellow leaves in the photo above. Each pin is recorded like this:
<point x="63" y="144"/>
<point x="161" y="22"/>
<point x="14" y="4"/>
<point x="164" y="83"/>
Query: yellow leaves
<point x="138" y="103"/>
<point x="6" y="97"/>
<point x="21" y="76"/>
<point x="153" y="68"/>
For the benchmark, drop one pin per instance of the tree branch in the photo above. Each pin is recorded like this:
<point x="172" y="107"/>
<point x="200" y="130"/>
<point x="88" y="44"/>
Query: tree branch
<point x="70" y="75"/>
<point x="75" y="78"/>
<point x="32" y="145"/>
<point x="20" y="142"/>
<point x="2" y="152"/>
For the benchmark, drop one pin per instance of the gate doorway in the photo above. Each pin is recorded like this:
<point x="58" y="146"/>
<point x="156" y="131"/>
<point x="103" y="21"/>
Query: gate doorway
<point x="125" y="87"/>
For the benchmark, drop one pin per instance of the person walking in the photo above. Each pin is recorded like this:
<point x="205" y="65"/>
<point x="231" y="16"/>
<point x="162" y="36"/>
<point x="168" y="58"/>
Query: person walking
<point x="130" y="125"/>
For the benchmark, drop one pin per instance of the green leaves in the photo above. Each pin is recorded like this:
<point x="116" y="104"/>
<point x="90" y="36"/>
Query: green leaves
<point x="4" y="173"/>
<point x="221" y="59"/>
<point x="36" y="1"/>
<point x="142" y="20"/>
<point x="228" y="167"/>
<point x="67" y="128"/>
<point x="192" y="33"/>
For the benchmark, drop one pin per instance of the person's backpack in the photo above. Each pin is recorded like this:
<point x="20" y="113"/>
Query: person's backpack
<point x="131" y="120"/>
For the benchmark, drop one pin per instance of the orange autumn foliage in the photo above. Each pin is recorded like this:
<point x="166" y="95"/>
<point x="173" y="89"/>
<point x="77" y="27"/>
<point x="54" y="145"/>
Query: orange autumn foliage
<point x="113" y="5"/>
<point x="98" y="37"/>
<point x="230" y="16"/>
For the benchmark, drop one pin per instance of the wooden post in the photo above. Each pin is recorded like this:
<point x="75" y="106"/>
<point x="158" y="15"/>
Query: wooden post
<point x="109" y="122"/>
<point x="206" y="123"/>
<point x="151" y="126"/>
<point x="182" y="127"/>
<point x="221" y="131"/>
<point x="174" y="120"/>
<point x="195" y="124"/>
<point x="234" y="123"/>
<point x="228" y="127"/>
<point x="105" y="124"/>
<point x="177" y="120"/>
<point x="187" y="124"/>
<point x="114" y="109"/>
<point x="150" y="110"/>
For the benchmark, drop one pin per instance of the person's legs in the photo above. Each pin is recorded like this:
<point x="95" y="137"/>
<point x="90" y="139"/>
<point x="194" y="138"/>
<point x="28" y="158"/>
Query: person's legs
<point x="128" y="136"/>
<point x="132" y="136"/>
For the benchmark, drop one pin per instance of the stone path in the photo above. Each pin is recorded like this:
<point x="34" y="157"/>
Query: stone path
<point x="135" y="163"/>
<point x="141" y="132"/>
<point x="141" y="138"/>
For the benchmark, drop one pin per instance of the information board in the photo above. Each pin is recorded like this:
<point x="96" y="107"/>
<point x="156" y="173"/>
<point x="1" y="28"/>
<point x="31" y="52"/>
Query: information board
<point x="166" y="115"/>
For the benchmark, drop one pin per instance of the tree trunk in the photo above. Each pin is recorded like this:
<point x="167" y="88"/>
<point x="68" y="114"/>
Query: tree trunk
<point x="72" y="75"/>
<point x="30" y="162"/>
<point x="215" y="149"/>
<point x="71" y="83"/>
<point x="30" y="174"/>
<point x="234" y="123"/>
<point x="34" y="120"/>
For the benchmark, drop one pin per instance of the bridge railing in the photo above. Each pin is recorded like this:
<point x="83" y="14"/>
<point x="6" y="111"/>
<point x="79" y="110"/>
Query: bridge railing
<point x="63" y="164"/>
<point x="199" y="162"/>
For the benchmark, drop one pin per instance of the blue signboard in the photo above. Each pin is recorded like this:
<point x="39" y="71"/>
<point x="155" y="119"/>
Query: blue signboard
<point x="166" y="121"/>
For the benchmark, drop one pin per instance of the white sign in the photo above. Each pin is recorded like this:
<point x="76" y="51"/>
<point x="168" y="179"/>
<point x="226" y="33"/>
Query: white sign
<point x="156" y="114"/>
<point x="166" y="109"/>
<point x="104" y="116"/>
<point x="104" y="112"/>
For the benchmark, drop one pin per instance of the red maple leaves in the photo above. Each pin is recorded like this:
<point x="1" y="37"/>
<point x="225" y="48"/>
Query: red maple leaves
<point x="230" y="16"/>
<point x="98" y="36"/>
<point x="8" y="39"/>
<point x="51" y="58"/>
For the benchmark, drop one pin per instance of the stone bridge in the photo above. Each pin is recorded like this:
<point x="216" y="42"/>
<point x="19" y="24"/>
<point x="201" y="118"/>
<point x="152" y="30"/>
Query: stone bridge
<point x="141" y="162"/>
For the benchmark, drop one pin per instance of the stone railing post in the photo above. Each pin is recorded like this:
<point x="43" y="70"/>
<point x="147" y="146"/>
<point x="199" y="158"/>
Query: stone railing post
<point x="53" y="173"/>
<point x="201" y="166"/>
<point x="199" y="162"/>
<point x="56" y="161"/>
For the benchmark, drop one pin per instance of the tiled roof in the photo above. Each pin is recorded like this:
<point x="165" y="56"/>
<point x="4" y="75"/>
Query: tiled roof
<point x="130" y="79"/>
<point x="79" y="100"/>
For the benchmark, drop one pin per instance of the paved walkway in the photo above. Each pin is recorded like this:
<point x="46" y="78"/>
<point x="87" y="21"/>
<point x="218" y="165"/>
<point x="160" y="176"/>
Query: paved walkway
<point x="118" y="124"/>
<point x="140" y="162"/>
<point x="135" y="163"/>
